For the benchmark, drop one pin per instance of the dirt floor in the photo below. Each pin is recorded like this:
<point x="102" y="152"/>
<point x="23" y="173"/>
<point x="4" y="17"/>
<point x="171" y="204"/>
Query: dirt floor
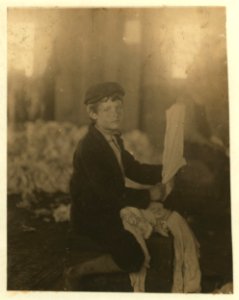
<point x="37" y="252"/>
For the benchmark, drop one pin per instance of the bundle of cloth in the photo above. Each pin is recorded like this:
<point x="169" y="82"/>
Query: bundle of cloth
<point x="142" y="222"/>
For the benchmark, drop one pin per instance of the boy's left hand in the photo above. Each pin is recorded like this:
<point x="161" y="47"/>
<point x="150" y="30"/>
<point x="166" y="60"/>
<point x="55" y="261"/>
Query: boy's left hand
<point x="156" y="192"/>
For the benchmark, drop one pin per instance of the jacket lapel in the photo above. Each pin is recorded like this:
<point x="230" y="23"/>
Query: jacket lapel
<point x="106" y="151"/>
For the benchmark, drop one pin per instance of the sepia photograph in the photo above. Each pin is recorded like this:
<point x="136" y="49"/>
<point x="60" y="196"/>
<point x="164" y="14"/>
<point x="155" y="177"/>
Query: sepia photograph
<point x="118" y="150"/>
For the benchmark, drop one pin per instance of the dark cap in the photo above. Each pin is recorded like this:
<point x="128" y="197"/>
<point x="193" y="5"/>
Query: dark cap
<point x="106" y="89"/>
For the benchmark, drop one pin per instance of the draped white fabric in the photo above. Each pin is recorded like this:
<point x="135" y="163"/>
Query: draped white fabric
<point x="141" y="223"/>
<point x="173" y="158"/>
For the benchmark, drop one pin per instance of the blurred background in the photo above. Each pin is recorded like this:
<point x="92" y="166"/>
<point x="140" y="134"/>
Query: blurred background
<point x="54" y="55"/>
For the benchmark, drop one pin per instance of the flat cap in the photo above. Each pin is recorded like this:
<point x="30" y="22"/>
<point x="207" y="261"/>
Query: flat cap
<point x="101" y="90"/>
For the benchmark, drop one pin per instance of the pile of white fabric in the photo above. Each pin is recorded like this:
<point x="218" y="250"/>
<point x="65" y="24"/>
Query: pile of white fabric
<point x="141" y="223"/>
<point x="40" y="157"/>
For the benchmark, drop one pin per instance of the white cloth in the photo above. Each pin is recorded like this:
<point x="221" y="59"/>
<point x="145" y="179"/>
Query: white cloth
<point x="156" y="218"/>
<point x="133" y="222"/>
<point x="173" y="158"/>
<point x="187" y="274"/>
<point x="141" y="223"/>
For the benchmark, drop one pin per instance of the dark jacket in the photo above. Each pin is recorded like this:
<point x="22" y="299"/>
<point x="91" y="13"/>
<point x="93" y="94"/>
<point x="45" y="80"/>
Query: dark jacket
<point x="97" y="185"/>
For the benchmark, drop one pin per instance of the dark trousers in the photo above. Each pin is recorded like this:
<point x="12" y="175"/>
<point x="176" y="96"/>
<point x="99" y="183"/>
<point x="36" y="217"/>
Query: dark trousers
<point x="110" y="236"/>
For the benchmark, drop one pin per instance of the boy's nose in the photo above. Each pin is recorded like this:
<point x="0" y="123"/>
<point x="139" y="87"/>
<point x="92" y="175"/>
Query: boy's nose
<point x="115" y="113"/>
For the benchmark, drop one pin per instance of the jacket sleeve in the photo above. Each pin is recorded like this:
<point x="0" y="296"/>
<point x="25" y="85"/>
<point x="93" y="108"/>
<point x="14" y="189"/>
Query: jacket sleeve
<point x="101" y="182"/>
<point x="139" y="198"/>
<point x="139" y="172"/>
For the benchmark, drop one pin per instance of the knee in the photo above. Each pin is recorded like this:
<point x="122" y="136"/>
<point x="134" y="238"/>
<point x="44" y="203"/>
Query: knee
<point x="130" y="257"/>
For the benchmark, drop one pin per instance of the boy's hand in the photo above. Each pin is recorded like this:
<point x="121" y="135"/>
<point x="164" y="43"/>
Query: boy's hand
<point x="168" y="187"/>
<point x="156" y="192"/>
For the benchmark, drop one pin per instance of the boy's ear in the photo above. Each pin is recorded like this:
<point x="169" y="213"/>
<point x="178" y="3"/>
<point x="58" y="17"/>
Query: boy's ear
<point x="91" y="113"/>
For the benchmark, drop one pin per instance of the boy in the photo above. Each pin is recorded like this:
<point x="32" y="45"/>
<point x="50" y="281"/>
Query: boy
<point x="98" y="186"/>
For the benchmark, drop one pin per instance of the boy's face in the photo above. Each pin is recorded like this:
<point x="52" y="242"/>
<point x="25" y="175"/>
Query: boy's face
<point x="109" y="114"/>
